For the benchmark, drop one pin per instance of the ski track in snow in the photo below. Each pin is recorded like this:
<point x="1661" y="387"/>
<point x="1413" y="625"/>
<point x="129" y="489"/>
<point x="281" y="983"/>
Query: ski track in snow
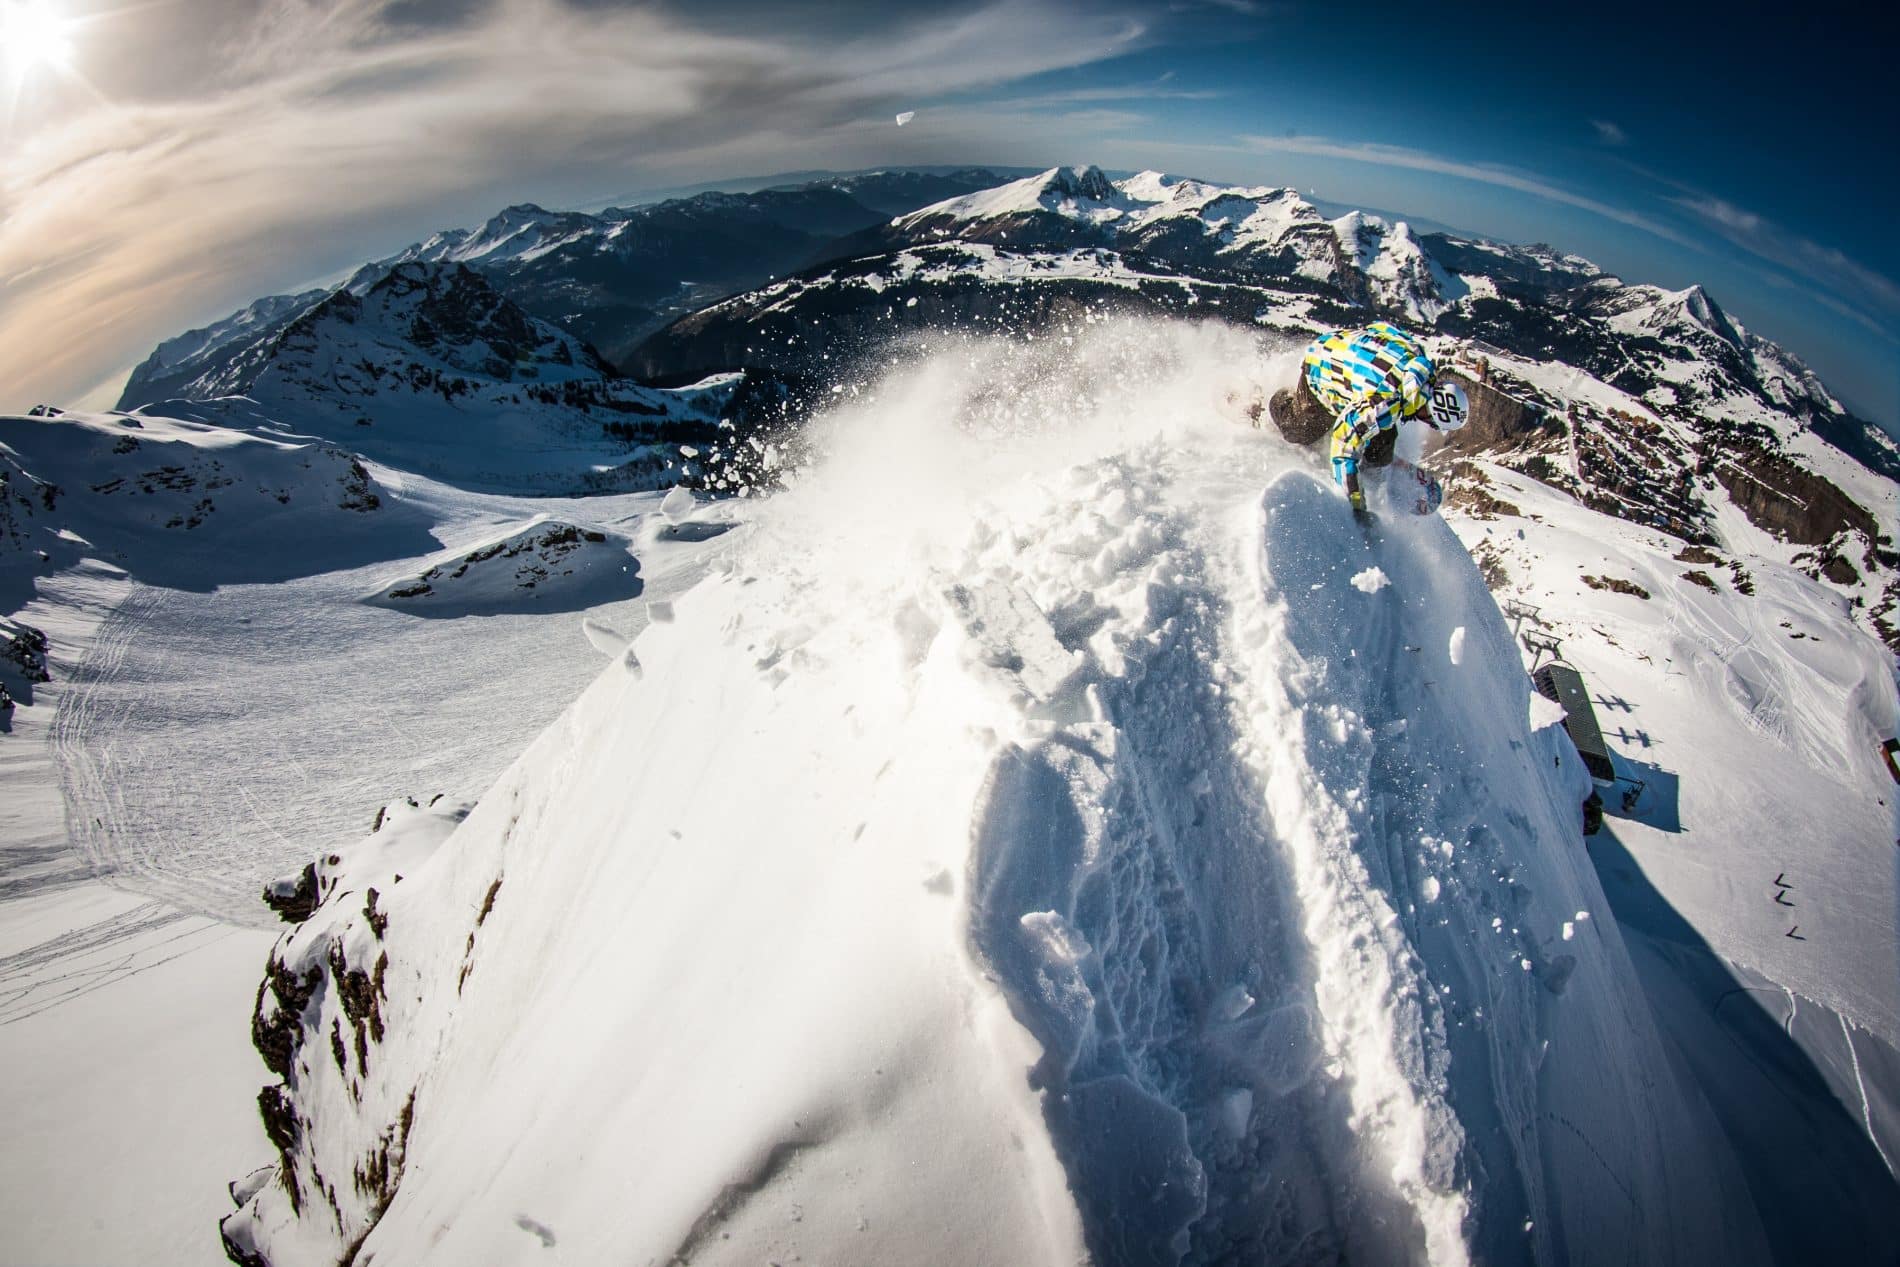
<point x="1860" y="1083"/>
<point x="211" y="741"/>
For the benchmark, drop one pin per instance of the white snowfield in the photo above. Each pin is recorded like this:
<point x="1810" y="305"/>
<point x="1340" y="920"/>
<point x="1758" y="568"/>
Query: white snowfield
<point x="1032" y="846"/>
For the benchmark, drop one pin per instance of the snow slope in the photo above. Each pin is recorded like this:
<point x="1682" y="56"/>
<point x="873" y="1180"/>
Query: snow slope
<point x="1031" y="844"/>
<point x="123" y="1042"/>
<point x="1755" y="872"/>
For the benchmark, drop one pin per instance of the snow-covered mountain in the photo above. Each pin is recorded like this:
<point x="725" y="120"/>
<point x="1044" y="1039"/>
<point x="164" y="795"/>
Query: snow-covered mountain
<point x="545" y="566"/>
<point x="1031" y="822"/>
<point x="1061" y="840"/>
<point x="609" y="278"/>
<point x="425" y="365"/>
<point x="425" y="326"/>
<point x="177" y="365"/>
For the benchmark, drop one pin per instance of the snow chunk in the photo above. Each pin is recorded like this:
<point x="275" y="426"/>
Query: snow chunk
<point x="679" y="502"/>
<point x="1545" y="712"/>
<point x="607" y="640"/>
<point x="1371" y="581"/>
<point x="1061" y="941"/>
<point x="906" y="117"/>
<point x="1570" y="930"/>
<point x="1428" y="889"/>
<point x="1457" y="647"/>
<point x="1233" y="1002"/>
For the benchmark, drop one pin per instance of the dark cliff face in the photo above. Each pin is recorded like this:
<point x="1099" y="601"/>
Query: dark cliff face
<point x="457" y="316"/>
<point x="1789" y="501"/>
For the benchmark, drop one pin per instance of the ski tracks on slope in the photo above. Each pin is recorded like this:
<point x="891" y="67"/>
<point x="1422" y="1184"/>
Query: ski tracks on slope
<point x="1165" y="884"/>
<point x="85" y="738"/>
<point x="1319" y="728"/>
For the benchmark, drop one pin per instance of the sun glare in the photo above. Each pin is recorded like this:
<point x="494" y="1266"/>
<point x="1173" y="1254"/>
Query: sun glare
<point x="34" y="34"/>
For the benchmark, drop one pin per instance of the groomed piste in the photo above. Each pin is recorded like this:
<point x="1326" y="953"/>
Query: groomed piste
<point x="1040" y="838"/>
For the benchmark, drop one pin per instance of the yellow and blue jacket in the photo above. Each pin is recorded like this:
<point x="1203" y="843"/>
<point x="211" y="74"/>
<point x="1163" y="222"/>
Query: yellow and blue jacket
<point x="1368" y="379"/>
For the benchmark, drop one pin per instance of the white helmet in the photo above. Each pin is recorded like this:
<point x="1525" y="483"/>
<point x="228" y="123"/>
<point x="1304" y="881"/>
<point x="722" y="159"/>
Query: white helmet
<point x="1449" y="410"/>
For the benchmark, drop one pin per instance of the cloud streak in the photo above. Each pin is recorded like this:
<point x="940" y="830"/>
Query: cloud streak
<point x="1500" y="177"/>
<point x="1860" y="292"/>
<point x="332" y="125"/>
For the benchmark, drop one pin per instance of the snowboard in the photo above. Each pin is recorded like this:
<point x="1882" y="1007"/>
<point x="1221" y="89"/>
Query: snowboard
<point x="1407" y="486"/>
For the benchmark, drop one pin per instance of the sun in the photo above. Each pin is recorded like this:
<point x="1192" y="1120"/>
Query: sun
<point x="34" y="34"/>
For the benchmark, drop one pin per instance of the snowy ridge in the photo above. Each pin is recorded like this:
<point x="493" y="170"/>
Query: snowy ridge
<point x="1133" y="942"/>
<point x="167" y="498"/>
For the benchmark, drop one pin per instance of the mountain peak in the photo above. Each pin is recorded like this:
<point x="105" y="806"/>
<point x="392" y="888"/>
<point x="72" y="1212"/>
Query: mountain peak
<point x="1079" y="182"/>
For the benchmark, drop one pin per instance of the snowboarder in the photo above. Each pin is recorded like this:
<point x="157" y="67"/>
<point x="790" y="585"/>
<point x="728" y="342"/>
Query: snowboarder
<point x="1358" y="385"/>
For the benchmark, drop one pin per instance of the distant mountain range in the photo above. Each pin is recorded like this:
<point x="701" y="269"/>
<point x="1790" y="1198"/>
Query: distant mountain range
<point x="774" y="294"/>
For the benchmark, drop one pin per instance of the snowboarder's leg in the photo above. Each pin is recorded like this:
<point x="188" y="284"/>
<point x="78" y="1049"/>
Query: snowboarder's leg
<point x="1298" y="415"/>
<point x="1381" y="448"/>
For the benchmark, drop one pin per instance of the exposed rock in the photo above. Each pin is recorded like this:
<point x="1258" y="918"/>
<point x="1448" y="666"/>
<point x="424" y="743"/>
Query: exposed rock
<point x="1617" y="585"/>
<point x="24" y="647"/>
<point x="1789" y="501"/>
<point x="293" y="897"/>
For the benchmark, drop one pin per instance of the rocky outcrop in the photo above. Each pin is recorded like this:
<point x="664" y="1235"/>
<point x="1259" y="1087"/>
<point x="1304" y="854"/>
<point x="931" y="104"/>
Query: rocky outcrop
<point x="1501" y="419"/>
<point x="1788" y="500"/>
<point x="327" y="1004"/>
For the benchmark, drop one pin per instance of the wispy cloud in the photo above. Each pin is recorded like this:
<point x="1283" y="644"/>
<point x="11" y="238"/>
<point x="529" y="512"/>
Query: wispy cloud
<point x="1859" y="291"/>
<point x="1154" y="91"/>
<point x="332" y="124"/>
<point x="1248" y="8"/>
<point x="1502" y="177"/>
<point x="1609" y="133"/>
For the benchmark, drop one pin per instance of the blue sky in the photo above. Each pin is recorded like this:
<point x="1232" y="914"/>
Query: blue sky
<point x="179" y="159"/>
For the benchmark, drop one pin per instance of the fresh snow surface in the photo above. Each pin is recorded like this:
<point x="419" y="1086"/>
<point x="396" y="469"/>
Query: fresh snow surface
<point x="124" y="1040"/>
<point x="1028" y="844"/>
<point x="210" y="738"/>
